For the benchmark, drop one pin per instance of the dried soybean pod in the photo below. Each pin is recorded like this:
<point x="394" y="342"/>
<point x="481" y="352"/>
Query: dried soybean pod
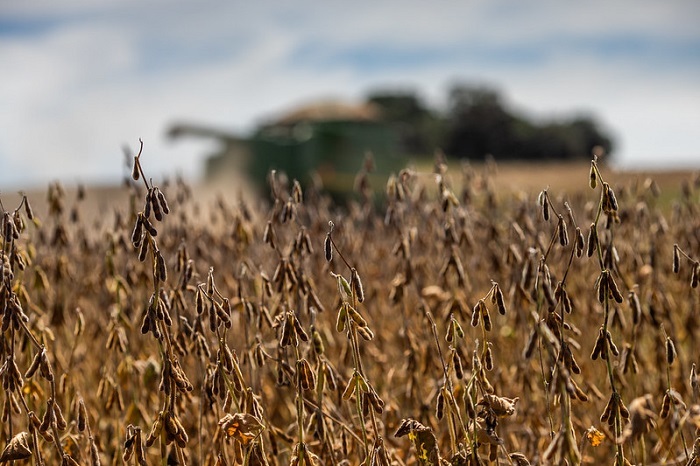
<point x="611" y="344"/>
<point x="599" y="346"/>
<point x="563" y="233"/>
<point x="531" y="344"/>
<point x="459" y="369"/>
<point x="199" y="301"/>
<point x="592" y="240"/>
<point x="611" y="197"/>
<point x="665" y="406"/>
<point x="676" y="259"/>
<point x="476" y="315"/>
<point x="300" y="330"/>
<point x="603" y="286"/>
<point x="500" y="302"/>
<point x="488" y="359"/>
<point x="357" y="285"/>
<point x="580" y="242"/>
<point x="440" y="405"/>
<point x="269" y="234"/>
<point x="485" y="317"/>
<point x="35" y="364"/>
<point x="328" y="248"/>
<point x="349" y="389"/>
<point x="61" y="423"/>
<point x="49" y="416"/>
<point x="153" y="200"/>
<point x="94" y="453"/>
<point x="366" y="333"/>
<point x="161" y="271"/>
<point x="670" y="351"/>
<point x="143" y="250"/>
<point x="28" y="209"/>
<point x="286" y="337"/>
<point x="135" y="172"/>
<point x="636" y="307"/>
<point x="162" y="201"/>
<point x="607" y="412"/>
<point x="307" y="378"/>
<point x="614" y="290"/>
<point x="624" y="412"/>
<point x="545" y="205"/>
<point x="82" y="415"/>
<point x="341" y="319"/>
<point x="149" y="226"/>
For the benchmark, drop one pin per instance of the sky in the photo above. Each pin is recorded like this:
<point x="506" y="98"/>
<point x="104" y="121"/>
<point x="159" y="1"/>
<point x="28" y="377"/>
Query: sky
<point x="80" y="79"/>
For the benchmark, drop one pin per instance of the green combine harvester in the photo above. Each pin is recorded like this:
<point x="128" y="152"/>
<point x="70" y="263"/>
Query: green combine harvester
<point x="325" y="142"/>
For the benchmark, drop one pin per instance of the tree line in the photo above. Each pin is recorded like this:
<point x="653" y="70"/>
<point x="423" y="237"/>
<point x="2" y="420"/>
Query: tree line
<point x="477" y="124"/>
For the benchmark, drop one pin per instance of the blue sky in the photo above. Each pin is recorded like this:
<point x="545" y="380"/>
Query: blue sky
<point x="82" y="78"/>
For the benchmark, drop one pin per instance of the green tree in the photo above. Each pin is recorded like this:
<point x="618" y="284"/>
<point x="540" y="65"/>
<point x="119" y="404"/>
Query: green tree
<point x="478" y="124"/>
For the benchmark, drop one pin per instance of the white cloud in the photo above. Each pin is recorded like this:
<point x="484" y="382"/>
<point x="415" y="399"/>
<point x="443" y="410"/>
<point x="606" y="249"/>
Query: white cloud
<point x="98" y="75"/>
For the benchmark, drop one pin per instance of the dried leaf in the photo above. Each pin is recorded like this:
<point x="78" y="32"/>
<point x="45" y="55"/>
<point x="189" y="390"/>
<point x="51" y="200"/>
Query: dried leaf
<point x="19" y="448"/>
<point x="242" y="427"/>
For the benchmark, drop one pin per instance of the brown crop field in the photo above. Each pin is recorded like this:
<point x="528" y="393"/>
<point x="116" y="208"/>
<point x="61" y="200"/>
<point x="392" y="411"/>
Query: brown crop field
<point x="478" y="314"/>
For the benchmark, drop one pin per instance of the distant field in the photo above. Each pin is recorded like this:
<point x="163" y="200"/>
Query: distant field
<point x="568" y="178"/>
